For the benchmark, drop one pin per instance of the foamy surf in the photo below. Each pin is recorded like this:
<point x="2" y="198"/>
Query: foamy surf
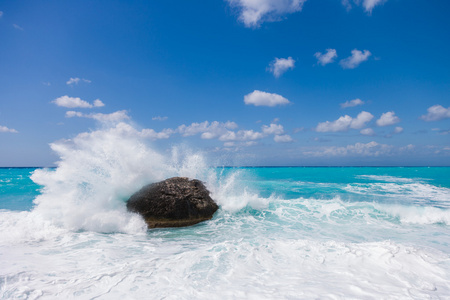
<point x="93" y="266"/>
<point x="280" y="233"/>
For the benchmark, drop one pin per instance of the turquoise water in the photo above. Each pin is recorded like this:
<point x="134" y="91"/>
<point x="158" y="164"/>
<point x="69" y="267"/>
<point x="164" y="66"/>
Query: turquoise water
<point x="280" y="233"/>
<point x="17" y="190"/>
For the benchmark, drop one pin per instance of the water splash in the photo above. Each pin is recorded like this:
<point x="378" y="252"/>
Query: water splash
<point x="99" y="170"/>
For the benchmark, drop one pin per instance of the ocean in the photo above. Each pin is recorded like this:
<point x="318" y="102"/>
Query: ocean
<point x="280" y="232"/>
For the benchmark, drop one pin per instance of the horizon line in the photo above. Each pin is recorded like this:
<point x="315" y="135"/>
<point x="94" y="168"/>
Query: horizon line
<point x="271" y="166"/>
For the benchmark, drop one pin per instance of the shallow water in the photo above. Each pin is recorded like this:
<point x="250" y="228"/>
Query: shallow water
<point x="280" y="233"/>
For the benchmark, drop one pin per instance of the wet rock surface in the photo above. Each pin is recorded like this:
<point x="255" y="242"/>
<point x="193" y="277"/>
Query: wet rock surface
<point x="174" y="202"/>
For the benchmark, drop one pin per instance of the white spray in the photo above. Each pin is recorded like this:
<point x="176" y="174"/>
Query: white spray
<point x="99" y="170"/>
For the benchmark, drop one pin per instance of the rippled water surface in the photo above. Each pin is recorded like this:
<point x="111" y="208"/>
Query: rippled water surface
<point x="280" y="233"/>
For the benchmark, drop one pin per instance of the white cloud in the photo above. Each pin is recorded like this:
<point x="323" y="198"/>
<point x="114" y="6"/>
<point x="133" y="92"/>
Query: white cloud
<point x="436" y="113"/>
<point x="346" y="122"/>
<point x="98" y="103"/>
<point x="225" y="132"/>
<point x="6" y="129"/>
<point x="73" y="81"/>
<point x="259" y="98"/>
<point x="359" y="149"/>
<point x="388" y="118"/>
<point x="281" y="65"/>
<point x="326" y="58"/>
<point x="71" y="102"/>
<point x="208" y="130"/>
<point x="17" y="27"/>
<point x="241" y="135"/>
<point x="352" y="103"/>
<point x="355" y="59"/>
<point x="71" y="114"/>
<point x="127" y="130"/>
<point x="341" y="124"/>
<point x="367" y="131"/>
<point x="361" y="120"/>
<point x="367" y="4"/>
<point x="75" y="102"/>
<point x="370" y="4"/>
<point x="398" y="129"/>
<point x="159" y="118"/>
<point x="112" y="117"/>
<point x="1" y="13"/>
<point x="255" y="12"/>
<point x="152" y="134"/>
<point x="272" y="129"/>
<point x="76" y="80"/>
<point x="283" y="138"/>
<point x="251" y="135"/>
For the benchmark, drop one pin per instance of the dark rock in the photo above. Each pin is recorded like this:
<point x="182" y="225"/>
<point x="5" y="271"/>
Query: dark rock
<point x="174" y="202"/>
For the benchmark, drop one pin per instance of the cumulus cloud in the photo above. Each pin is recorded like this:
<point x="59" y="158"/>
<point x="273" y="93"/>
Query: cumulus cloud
<point x="436" y="113"/>
<point x="112" y="117"/>
<point x="359" y="149"/>
<point x="255" y="12"/>
<point x="283" y="138"/>
<point x="226" y="132"/>
<point x="6" y="129"/>
<point x="76" y="80"/>
<point x="388" y="118"/>
<point x="355" y="59"/>
<point x="259" y="98"/>
<point x="326" y="58"/>
<point x="75" y="102"/>
<point x="158" y="118"/>
<point x="352" y="103"/>
<point x="208" y="130"/>
<point x="272" y="129"/>
<point x="152" y="134"/>
<point x="361" y="120"/>
<point x="281" y="65"/>
<point x="398" y="129"/>
<point x="241" y="135"/>
<point x="367" y="131"/>
<point x="98" y="103"/>
<point x="127" y="130"/>
<point x="345" y="123"/>
<point x="250" y="135"/>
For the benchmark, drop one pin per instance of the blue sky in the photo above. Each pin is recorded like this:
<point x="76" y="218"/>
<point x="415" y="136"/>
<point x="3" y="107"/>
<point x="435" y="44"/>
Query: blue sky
<point x="247" y="82"/>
